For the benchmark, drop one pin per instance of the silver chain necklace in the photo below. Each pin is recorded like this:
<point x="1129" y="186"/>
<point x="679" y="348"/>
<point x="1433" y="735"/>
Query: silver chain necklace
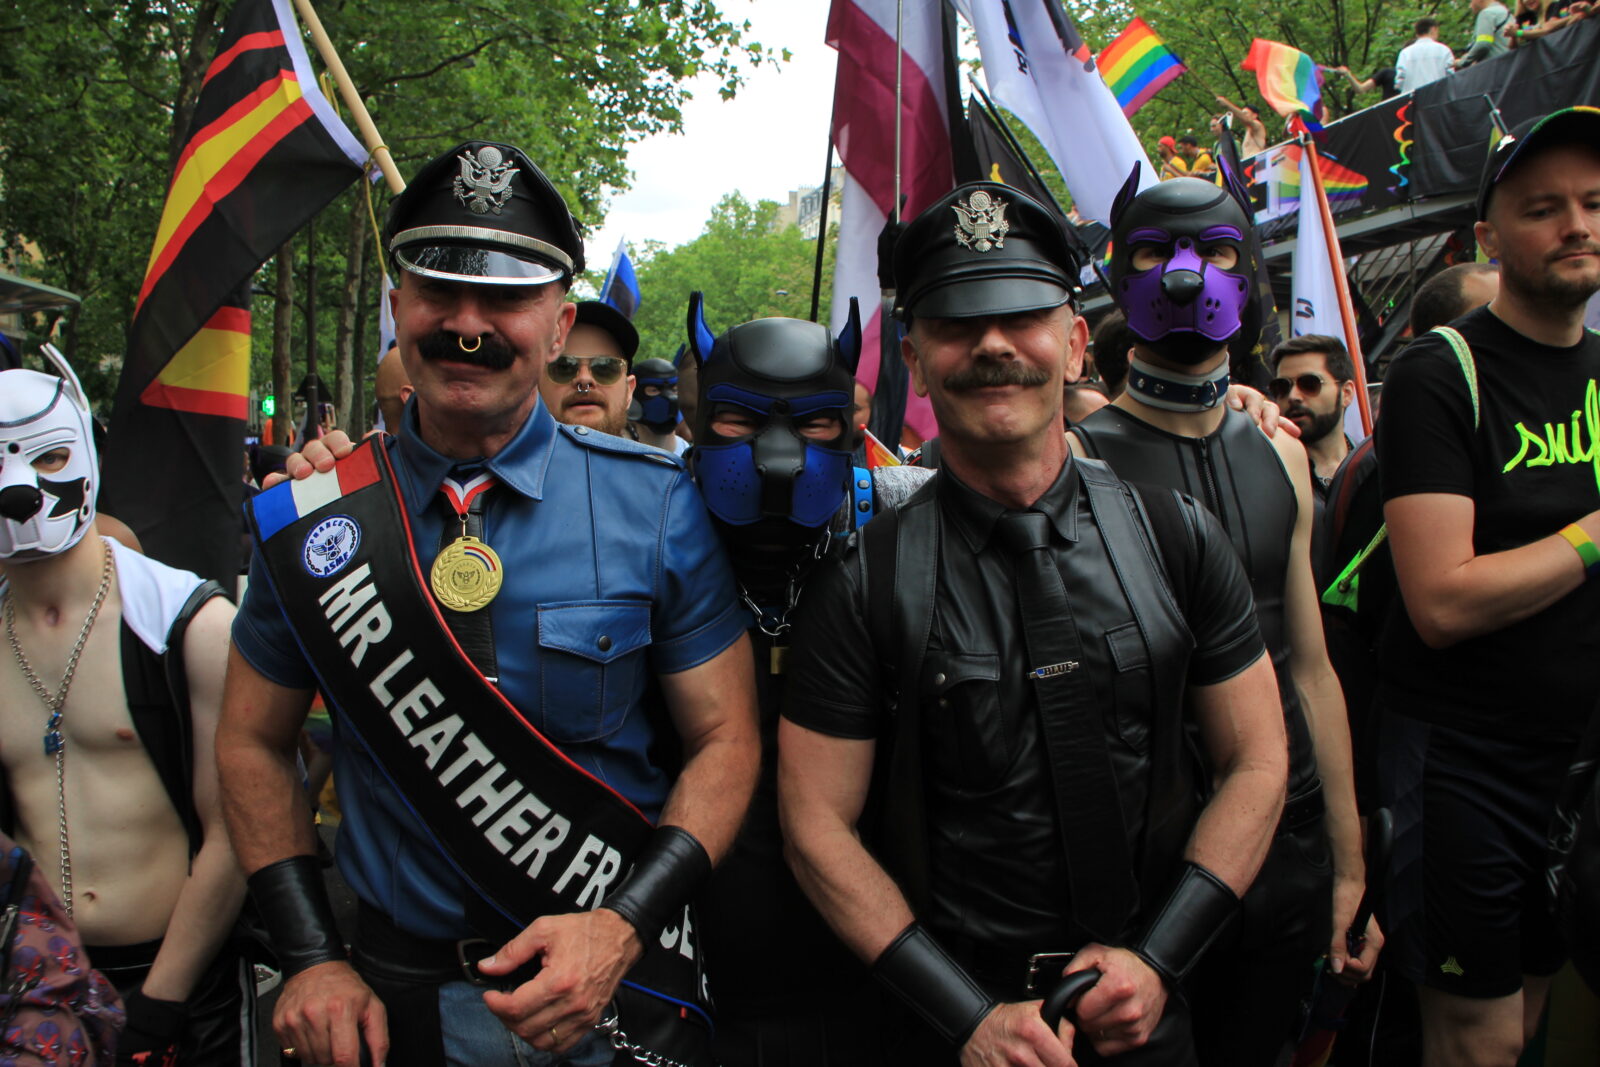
<point x="55" y="743"/>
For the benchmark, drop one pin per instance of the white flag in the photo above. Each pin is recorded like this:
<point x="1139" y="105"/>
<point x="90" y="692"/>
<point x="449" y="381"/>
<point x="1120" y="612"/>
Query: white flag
<point x="1040" y="70"/>
<point x="1316" y="298"/>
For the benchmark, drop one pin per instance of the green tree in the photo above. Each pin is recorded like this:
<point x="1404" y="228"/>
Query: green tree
<point x="98" y="95"/>
<point x="747" y="266"/>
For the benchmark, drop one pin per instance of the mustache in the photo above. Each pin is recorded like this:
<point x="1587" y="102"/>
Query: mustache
<point x="1580" y="246"/>
<point x="986" y="373"/>
<point x="492" y="352"/>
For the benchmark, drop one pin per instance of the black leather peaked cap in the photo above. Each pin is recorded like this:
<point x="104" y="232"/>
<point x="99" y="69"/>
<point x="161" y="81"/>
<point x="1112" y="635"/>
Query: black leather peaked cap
<point x="482" y="212"/>
<point x="603" y="316"/>
<point x="983" y="249"/>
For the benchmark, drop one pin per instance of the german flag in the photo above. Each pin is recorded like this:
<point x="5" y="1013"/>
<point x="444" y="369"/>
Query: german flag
<point x="265" y="153"/>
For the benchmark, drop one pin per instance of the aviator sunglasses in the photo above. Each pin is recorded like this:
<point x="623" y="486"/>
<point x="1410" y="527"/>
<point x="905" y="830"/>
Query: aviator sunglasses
<point x="1310" y="385"/>
<point x="606" y="370"/>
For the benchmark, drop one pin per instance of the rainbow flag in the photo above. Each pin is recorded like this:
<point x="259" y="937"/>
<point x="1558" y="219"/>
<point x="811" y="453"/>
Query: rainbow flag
<point x="1290" y="81"/>
<point x="1138" y="65"/>
<point x="878" y="453"/>
<point x="1340" y="182"/>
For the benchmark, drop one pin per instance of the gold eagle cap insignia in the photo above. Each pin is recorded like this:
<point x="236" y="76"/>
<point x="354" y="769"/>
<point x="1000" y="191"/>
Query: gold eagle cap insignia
<point x="981" y="222"/>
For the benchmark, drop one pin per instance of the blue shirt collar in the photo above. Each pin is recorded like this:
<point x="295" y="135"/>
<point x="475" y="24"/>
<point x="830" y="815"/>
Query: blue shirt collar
<point x="521" y="464"/>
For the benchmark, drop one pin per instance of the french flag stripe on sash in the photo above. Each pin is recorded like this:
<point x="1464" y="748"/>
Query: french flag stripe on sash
<point x="283" y="504"/>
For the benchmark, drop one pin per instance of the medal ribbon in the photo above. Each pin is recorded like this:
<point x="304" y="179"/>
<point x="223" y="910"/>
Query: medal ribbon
<point x="462" y="494"/>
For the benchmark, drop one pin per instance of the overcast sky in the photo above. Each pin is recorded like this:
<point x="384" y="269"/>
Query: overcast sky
<point x="769" y="139"/>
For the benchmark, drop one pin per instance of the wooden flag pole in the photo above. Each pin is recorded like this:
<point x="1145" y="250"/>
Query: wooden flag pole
<point x="1341" y="284"/>
<point x="352" y="99"/>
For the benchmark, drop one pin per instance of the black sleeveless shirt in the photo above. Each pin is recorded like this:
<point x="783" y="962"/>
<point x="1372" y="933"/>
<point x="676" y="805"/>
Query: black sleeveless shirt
<point x="1235" y="472"/>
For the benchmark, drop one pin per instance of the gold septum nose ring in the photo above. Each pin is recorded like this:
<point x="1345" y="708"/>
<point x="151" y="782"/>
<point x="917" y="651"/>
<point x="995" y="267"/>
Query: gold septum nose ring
<point x="477" y="343"/>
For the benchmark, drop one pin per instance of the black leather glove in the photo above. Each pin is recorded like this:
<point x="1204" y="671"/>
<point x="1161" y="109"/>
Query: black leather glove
<point x="150" y="1037"/>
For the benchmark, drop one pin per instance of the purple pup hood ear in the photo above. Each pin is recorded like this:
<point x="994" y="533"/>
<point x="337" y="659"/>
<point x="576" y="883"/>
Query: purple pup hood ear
<point x="850" y="338"/>
<point x="701" y="339"/>
<point x="1125" y="195"/>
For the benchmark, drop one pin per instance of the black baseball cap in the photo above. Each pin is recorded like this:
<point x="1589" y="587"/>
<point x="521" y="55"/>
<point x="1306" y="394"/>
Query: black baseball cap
<point x="602" y="315"/>
<point x="483" y="213"/>
<point x="1572" y="125"/>
<point x="984" y="249"/>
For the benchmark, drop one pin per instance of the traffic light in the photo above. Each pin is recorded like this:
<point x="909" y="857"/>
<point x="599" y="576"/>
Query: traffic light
<point x="269" y="405"/>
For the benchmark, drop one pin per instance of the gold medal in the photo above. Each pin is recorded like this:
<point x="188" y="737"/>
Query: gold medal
<point x="466" y="575"/>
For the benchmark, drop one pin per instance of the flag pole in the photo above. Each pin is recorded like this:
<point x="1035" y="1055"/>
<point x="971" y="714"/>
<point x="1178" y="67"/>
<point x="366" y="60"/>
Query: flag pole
<point x="1341" y="284"/>
<point x="899" y="102"/>
<point x="352" y="99"/>
<point x="822" y="229"/>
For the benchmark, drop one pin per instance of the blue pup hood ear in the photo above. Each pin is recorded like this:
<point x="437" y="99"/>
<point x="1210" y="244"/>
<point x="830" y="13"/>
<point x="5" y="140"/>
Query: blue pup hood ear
<point x="850" y="338"/>
<point x="1129" y="190"/>
<point x="677" y="360"/>
<point x="701" y="339"/>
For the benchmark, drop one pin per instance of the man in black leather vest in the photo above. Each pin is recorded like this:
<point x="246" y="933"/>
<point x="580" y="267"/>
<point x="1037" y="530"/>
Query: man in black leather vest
<point x="941" y="680"/>
<point x="1177" y="273"/>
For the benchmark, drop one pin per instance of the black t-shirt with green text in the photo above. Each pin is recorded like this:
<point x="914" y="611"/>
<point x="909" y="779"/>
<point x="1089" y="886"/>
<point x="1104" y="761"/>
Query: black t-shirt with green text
<point x="1532" y="466"/>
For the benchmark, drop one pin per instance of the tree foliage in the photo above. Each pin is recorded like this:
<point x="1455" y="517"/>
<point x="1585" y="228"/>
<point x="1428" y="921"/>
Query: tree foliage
<point x="98" y="95"/>
<point x="747" y="266"/>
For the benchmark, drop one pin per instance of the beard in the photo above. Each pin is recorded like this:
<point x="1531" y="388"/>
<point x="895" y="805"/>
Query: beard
<point x="1322" y="423"/>
<point x="492" y="352"/>
<point x="986" y="373"/>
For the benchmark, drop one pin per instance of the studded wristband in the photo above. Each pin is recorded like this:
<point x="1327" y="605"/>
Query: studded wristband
<point x="293" y="903"/>
<point x="1194" y="913"/>
<point x="669" y="869"/>
<point x="918" y="970"/>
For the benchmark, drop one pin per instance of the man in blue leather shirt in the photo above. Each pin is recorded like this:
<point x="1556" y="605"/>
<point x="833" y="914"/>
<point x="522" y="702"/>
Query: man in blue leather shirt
<point x="612" y="575"/>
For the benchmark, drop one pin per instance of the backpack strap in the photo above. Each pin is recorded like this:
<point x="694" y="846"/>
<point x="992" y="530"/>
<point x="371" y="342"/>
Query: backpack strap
<point x="1345" y="591"/>
<point x="1469" y="367"/>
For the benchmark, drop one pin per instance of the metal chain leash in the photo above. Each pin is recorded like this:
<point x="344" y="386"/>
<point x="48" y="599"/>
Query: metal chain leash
<point x="55" y="742"/>
<point x="797" y="573"/>
<point x="611" y="1026"/>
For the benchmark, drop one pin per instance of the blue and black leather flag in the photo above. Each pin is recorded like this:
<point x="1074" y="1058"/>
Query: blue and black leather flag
<point x="621" y="287"/>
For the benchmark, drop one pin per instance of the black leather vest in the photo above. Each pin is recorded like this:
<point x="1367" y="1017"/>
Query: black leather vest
<point x="1236" y="474"/>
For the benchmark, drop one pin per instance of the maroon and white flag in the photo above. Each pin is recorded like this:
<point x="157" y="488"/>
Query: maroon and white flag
<point x="863" y="31"/>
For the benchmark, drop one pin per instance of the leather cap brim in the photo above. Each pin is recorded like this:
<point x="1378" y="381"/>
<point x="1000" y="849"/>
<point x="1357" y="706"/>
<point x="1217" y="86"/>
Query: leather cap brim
<point x="475" y="265"/>
<point x="954" y="297"/>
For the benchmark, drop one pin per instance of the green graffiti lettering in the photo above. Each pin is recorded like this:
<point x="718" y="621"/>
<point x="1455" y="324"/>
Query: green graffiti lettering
<point x="1563" y="443"/>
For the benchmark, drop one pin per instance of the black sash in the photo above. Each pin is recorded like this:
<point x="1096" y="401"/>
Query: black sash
<point x="526" y="828"/>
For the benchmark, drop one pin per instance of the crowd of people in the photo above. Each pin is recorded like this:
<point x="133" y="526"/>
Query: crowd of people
<point x="1496" y="30"/>
<point x="1048" y="748"/>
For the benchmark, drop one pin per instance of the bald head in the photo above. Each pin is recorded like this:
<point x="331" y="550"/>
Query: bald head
<point x="393" y="388"/>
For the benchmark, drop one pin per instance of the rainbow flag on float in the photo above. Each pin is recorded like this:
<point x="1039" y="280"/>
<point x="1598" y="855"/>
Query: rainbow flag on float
<point x="1290" y="81"/>
<point x="1138" y="65"/>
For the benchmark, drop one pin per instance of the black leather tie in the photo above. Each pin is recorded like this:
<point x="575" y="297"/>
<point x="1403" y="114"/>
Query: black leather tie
<point x="473" y="630"/>
<point x="1089" y="808"/>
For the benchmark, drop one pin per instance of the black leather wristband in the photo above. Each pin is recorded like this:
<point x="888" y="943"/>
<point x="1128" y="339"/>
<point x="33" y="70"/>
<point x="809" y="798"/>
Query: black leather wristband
<point x="294" y="907"/>
<point x="1195" y="912"/>
<point x="918" y="970"/>
<point x="670" y="868"/>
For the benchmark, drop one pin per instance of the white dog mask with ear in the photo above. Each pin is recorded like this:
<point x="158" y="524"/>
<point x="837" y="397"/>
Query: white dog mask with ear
<point x="43" y="513"/>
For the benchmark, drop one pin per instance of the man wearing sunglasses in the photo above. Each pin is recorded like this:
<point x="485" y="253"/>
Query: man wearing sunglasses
<point x="1179" y="274"/>
<point x="1315" y="383"/>
<point x="591" y="382"/>
<point x="485" y="599"/>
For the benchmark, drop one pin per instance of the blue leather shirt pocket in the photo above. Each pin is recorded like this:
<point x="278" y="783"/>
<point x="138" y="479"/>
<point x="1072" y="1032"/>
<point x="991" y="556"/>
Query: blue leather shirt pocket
<point x="591" y="664"/>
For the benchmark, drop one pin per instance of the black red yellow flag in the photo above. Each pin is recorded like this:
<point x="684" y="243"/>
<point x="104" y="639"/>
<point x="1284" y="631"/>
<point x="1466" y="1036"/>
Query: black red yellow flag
<point x="265" y="152"/>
